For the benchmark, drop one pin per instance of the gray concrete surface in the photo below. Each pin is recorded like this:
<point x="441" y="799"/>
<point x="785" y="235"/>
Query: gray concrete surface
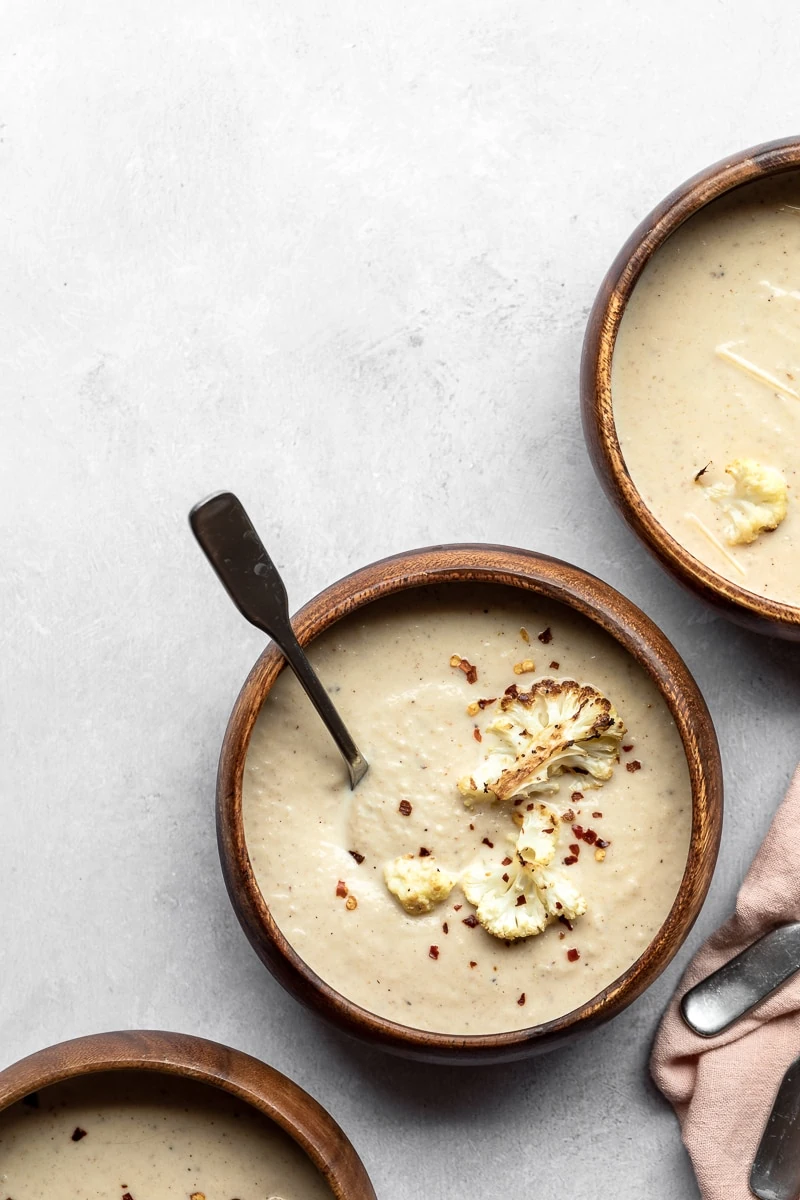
<point x="338" y="258"/>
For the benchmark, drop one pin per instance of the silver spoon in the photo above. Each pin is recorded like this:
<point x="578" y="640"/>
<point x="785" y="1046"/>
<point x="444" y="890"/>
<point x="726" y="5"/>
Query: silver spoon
<point x="775" y="1174"/>
<point x="714" y="1004"/>
<point x="251" y="579"/>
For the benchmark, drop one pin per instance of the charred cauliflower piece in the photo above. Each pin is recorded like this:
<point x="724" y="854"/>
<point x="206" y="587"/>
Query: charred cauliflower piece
<point x="754" y="501"/>
<point x="558" y="894"/>
<point x="505" y="898"/>
<point x="536" y="843"/>
<point x="418" y="883"/>
<point x="556" y="726"/>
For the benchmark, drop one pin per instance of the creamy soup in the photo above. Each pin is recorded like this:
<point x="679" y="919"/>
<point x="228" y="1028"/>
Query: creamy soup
<point x="126" y="1136"/>
<point x="318" y="849"/>
<point x="706" y="370"/>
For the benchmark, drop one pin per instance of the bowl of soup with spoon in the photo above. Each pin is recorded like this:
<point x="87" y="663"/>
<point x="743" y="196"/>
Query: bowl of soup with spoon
<point x="691" y="385"/>
<point x="538" y="826"/>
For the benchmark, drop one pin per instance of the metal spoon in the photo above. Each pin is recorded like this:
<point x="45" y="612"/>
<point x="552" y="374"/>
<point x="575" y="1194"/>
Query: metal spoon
<point x="775" y="1174"/>
<point x="714" y="1004"/>
<point x="251" y="579"/>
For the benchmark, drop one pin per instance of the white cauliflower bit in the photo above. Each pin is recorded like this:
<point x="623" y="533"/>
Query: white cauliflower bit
<point x="506" y="899"/>
<point x="418" y="883"/>
<point x="558" y="894"/>
<point x="536" y="843"/>
<point x="556" y="726"/>
<point x="755" y="501"/>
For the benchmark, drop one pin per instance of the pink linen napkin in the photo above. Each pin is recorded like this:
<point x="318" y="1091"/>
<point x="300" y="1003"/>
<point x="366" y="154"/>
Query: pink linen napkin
<point x="723" y="1088"/>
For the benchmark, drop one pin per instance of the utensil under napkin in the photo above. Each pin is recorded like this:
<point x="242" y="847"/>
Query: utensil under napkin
<point x="723" y="1088"/>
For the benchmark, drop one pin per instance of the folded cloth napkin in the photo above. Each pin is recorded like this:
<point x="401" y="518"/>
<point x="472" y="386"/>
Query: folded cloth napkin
<point x="723" y="1088"/>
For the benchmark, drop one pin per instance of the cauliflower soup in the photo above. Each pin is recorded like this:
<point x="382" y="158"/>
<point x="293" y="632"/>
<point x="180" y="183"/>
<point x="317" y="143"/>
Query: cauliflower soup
<point x="706" y="386"/>
<point x="143" y="1136"/>
<point x="520" y="836"/>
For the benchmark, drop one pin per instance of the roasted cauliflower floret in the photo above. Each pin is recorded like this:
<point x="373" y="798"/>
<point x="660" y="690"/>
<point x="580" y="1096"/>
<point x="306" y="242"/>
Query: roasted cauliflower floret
<point x="754" y="501"/>
<point x="556" y="726"/>
<point x="418" y="883"/>
<point x="536" y="843"/>
<point x="506" y="899"/>
<point x="558" y="894"/>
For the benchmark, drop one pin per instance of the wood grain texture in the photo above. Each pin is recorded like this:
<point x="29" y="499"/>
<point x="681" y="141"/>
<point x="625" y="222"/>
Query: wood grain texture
<point x="188" y="1057"/>
<point x="543" y="576"/>
<point x="755" y="612"/>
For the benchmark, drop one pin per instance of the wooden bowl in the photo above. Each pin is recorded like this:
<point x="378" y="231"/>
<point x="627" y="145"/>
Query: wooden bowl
<point x="297" y="1113"/>
<point x="747" y="608"/>
<point x="546" y="577"/>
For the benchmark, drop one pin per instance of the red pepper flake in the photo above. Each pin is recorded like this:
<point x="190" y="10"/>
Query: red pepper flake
<point x="512" y="691"/>
<point x="574" y="848"/>
<point x="505" y="877"/>
<point x="521" y="1000"/>
<point x="559" y="904"/>
<point x="590" y="837"/>
<point x="486" y="842"/>
<point x="424" y="852"/>
<point x="569" y="816"/>
<point x="457" y="907"/>
<point x="569" y="860"/>
<point x="521" y="900"/>
<point x="127" y="1196"/>
<point x="358" y="857"/>
<point x="554" y="665"/>
<point x="519" y="800"/>
<point x="546" y="636"/>
<point x="573" y="955"/>
<point x="578" y="831"/>
<point x="597" y="816"/>
<point x="341" y="889"/>
<point x="576" y="797"/>
<point x="471" y="921"/>
<point x="529" y="808"/>
<point x="462" y="664"/>
<point x="78" y="1133"/>
<point x="633" y="765"/>
<point x="433" y="952"/>
<point x="476" y="733"/>
<point x="445" y="927"/>
<point x="602" y="844"/>
<point x="472" y="963"/>
<point x="471" y="825"/>
<point x="628" y="749"/>
<point x="405" y="808"/>
<point x="550" y="830"/>
<point x="507" y="861"/>
<point x="566" y="921"/>
<point x="485" y="703"/>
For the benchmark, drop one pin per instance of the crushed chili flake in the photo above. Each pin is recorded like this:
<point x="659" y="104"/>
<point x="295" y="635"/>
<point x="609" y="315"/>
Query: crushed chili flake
<point x="433" y="952"/>
<point x="505" y="877"/>
<point x="578" y="831"/>
<point x="529" y="808"/>
<point x="521" y="900"/>
<point x="457" y="907"/>
<point x="341" y="889"/>
<point x="405" y="808"/>
<point x="471" y="825"/>
<point x="127" y="1196"/>
<point x="597" y="815"/>
<point x="519" y="800"/>
<point x="523" y="633"/>
<point x="566" y="921"/>
<point x="550" y="830"/>
<point x="507" y="861"/>
<point x="569" y="860"/>
<point x="573" y="955"/>
<point x="358" y="857"/>
<point x="633" y="765"/>
<point x="554" y="665"/>
<point x="546" y="636"/>
<point x="628" y="749"/>
<point x="472" y="963"/>
<point x="602" y="844"/>
<point x="568" y="816"/>
<point x="590" y="837"/>
<point x="486" y="842"/>
<point x="521" y="1000"/>
<point x="576" y="797"/>
<point x="445" y="927"/>
<point x="462" y="664"/>
<point x="351" y="903"/>
<point x="471" y="921"/>
<point x="574" y="848"/>
<point x="476" y="733"/>
<point x="559" y="904"/>
<point x="78" y="1133"/>
<point x="424" y="852"/>
<point x="485" y="703"/>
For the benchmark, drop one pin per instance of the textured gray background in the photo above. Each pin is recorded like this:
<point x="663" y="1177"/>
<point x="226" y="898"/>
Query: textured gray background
<point x="337" y="257"/>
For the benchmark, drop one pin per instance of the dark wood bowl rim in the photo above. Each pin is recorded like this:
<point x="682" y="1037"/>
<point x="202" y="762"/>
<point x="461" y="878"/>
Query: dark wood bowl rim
<point x="189" y="1057"/>
<point x="555" y="580"/>
<point x="758" y="162"/>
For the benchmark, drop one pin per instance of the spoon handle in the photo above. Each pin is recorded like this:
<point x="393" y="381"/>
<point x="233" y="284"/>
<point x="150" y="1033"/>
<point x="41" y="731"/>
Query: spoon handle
<point x="230" y="543"/>
<point x="712" y="1005"/>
